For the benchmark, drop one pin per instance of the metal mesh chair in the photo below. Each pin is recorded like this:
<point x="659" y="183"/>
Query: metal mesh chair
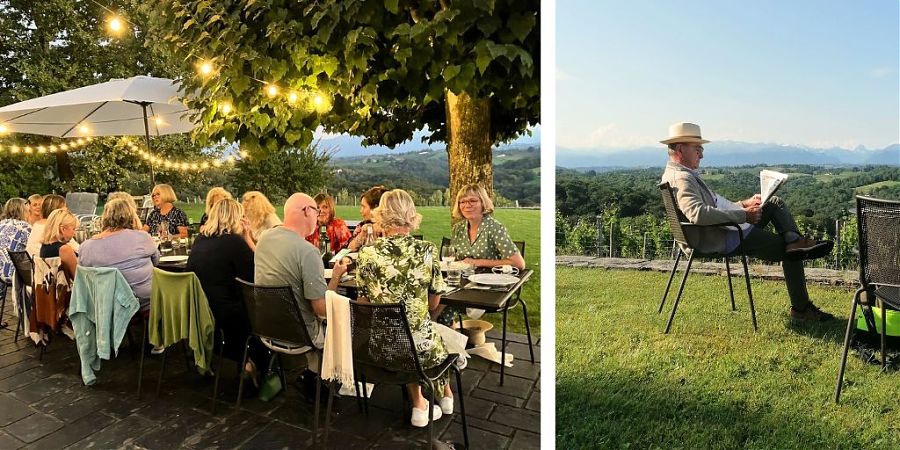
<point x="517" y="299"/>
<point x="275" y="320"/>
<point x="24" y="266"/>
<point x="384" y="353"/>
<point x="878" y="223"/>
<point x="677" y="223"/>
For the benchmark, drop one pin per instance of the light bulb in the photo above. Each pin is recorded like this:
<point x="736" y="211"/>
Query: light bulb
<point x="3" y="129"/>
<point x="206" y="68"/>
<point x="292" y="97"/>
<point x="158" y="121"/>
<point x="271" y="90"/>
<point x="226" y="108"/>
<point x="84" y="129"/>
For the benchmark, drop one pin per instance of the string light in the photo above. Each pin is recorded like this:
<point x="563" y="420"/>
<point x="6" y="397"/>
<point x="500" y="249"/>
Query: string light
<point x="83" y="129"/>
<point x="206" y="68"/>
<point x="292" y="97"/>
<point x="45" y="148"/>
<point x="271" y="90"/>
<point x="226" y="108"/>
<point x="3" y="129"/>
<point x="169" y="163"/>
<point x="115" y="25"/>
<point x="159" y="121"/>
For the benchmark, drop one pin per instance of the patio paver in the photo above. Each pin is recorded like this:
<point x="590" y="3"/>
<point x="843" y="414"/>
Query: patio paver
<point x="44" y="405"/>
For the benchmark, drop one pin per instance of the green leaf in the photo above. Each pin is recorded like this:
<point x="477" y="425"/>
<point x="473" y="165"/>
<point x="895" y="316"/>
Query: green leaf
<point x="292" y="137"/>
<point x="450" y="72"/>
<point x="262" y="121"/>
<point x="393" y="6"/>
<point x="239" y="85"/>
<point x="521" y="25"/>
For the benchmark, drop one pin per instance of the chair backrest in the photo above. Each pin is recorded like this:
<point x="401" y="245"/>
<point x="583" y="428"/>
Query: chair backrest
<point x="420" y="237"/>
<point x="521" y="246"/>
<point x="274" y="313"/>
<point x="878" y="222"/>
<point x="381" y="337"/>
<point x="82" y="203"/>
<point x="24" y="266"/>
<point x="673" y="215"/>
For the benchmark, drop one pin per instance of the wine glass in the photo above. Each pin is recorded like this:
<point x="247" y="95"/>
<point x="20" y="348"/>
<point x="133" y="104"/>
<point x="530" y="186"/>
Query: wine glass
<point x="449" y="254"/>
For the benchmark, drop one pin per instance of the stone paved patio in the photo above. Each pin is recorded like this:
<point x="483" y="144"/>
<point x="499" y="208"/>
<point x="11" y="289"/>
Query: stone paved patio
<point x="43" y="405"/>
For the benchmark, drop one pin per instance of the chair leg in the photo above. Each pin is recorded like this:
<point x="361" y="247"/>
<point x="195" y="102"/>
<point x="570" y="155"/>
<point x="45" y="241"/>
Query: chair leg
<point x="687" y="270"/>
<point x="358" y="391"/>
<point x="431" y="414"/>
<point x="144" y="343"/>
<point x="462" y="404"/>
<point x="3" y="303"/>
<point x="730" y="288"/>
<point x="883" y="334"/>
<point x="503" y="347"/>
<point x="669" y="284"/>
<point x="218" y="371"/>
<point x="460" y="318"/>
<point x="331" y="388"/>
<point x="162" y="371"/>
<point x="240" y="395"/>
<point x="749" y="291"/>
<point x="316" y="408"/>
<point x="527" y="329"/>
<point x="847" y="337"/>
<point x="365" y="396"/>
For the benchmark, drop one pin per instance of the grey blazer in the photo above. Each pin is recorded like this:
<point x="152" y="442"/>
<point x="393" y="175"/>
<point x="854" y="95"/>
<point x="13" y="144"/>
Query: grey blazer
<point x="698" y="204"/>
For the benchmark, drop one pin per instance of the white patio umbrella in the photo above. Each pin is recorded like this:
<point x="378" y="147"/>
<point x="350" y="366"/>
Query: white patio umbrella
<point x="119" y="107"/>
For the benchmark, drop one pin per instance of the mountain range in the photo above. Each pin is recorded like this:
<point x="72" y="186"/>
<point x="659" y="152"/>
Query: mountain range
<point x="730" y="153"/>
<point x="346" y="146"/>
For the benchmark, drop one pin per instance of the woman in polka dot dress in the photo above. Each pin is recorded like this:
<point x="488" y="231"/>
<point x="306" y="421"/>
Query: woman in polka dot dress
<point x="480" y="239"/>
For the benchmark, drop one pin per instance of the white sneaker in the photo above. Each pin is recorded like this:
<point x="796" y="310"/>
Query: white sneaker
<point x="446" y="405"/>
<point x="420" y="416"/>
<point x="157" y="350"/>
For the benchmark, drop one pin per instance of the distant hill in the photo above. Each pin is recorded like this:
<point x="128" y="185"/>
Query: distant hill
<point x="730" y="153"/>
<point x="516" y="172"/>
<point x="346" y="146"/>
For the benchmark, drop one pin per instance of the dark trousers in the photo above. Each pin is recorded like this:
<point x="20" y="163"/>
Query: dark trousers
<point x="769" y="246"/>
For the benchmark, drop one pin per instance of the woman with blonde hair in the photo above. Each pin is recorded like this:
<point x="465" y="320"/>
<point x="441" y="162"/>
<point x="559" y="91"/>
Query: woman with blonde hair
<point x="221" y="253"/>
<point x="399" y="268"/>
<point x="129" y="199"/>
<point x="260" y="213"/>
<point x="50" y="203"/>
<point x="14" y="232"/>
<point x="335" y="228"/>
<point x="480" y="239"/>
<point x="165" y="212"/>
<point x="54" y="271"/>
<point x="214" y="195"/>
<point x="34" y="208"/>
<point x="124" y="246"/>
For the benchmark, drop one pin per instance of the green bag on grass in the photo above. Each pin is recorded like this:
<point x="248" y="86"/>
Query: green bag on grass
<point x="893" y="321"/>
<point x="271" y="386"/>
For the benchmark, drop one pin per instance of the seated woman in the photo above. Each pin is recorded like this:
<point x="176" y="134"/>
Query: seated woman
<point x="34" y="208"/>
<point x="214" y="195"/>
<point x="164" y="211"/>
<point x="14" y="232"/>
<point x="259" y="213"/>
<point x="369" y="201"/>
<point x="220" y="254"/>
<point x="129" y="199"/>
<point x="418" y="286"/>
<point x="54" y="270"/>
<point x="479" y="239"/>
<point x="124" y="247"/>
<point x="335" y="228"/>
<point x="50" y="203"/>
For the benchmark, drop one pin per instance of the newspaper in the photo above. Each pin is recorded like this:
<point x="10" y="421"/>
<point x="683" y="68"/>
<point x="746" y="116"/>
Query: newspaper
<point x="769" y="182"/>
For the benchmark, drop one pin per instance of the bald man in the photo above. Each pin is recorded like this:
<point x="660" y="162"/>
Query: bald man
<point x="285" y="257"/>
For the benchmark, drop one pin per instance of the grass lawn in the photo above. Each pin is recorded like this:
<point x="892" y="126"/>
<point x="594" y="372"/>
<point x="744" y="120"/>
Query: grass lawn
<point x="712" y="383"/>
<point x="523" y="225"/>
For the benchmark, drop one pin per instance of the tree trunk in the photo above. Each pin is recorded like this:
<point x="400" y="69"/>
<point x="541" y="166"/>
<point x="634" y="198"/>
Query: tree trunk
<point x="64" y="167"/>
<point x="469" y="143"/>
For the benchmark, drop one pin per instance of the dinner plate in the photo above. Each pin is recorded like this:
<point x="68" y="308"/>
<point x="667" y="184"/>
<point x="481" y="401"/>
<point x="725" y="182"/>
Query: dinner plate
<point x="494" y="279"/>
<point x="173" y="259"/>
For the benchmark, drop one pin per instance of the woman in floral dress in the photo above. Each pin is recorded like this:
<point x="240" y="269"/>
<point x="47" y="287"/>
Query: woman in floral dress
<point x="398" y="268"/>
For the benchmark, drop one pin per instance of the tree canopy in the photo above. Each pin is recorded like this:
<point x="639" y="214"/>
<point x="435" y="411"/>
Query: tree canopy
<point x="374" y="69"/>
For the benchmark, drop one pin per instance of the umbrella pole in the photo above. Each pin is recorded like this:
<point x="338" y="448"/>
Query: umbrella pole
<point x="147" y="138"/>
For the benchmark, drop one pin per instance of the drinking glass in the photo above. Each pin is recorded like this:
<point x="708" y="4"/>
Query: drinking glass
<point x="449" y="254"/>
<point x="453" y="276"/>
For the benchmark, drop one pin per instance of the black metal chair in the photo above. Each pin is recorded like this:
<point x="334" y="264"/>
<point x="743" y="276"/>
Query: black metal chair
<point x="878" y="222"/>
<point x="517" y="299"/>
<point x="24" y="266"/>
<point x="184" y="279"/>
<point x="678" y="223"/>
<point x="275" y="319"/>
<point x="384" y="353"/>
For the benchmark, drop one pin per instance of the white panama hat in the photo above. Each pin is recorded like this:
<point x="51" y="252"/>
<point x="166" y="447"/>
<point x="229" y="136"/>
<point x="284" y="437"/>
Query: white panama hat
<point x="684" y="132"/>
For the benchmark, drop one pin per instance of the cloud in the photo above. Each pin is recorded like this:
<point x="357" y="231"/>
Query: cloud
<point x="880" y="72"/>
<point x="562" y="75"/>
<point x="608" y="135"/>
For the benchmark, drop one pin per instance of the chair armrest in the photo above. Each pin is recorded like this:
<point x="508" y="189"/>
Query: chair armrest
<point x="722" y="224"/>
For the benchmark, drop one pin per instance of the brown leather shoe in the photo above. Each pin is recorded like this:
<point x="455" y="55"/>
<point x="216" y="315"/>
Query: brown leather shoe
<point x="805" y="248"/>
<point x="810" y="314"/>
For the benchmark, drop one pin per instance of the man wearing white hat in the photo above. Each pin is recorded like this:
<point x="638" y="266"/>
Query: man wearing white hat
<point x="702" y="206"/>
